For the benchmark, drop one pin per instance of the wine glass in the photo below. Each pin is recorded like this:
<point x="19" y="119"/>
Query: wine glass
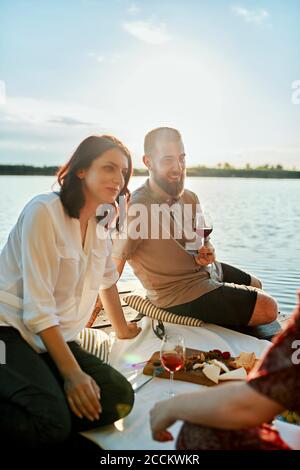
<point x="203" y="224"/>
<point x="172" y="356"/>
<point x="203" y="227"/>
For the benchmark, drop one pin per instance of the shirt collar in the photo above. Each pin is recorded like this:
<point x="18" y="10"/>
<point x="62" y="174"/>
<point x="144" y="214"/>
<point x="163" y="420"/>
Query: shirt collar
<point x="159" y="195"/>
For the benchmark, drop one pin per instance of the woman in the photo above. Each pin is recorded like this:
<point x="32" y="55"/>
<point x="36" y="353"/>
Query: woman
<point x="233" y="416"/>
<point x="54" y="263"/>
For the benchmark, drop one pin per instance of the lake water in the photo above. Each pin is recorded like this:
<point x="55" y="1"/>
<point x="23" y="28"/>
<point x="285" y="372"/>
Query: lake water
<point x="256" y="224"/>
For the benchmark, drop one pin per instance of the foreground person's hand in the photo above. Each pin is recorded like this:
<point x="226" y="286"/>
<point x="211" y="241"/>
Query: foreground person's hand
<point x="206" y="256"/>
<point x="161" y="419"/>
<point x="83" y="395"/>
<point x="132" y="331"/>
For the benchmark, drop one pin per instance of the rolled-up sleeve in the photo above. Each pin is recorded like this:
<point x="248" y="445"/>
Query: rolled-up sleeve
<point x="110" y="275"/>
<point x="40" y="266"/>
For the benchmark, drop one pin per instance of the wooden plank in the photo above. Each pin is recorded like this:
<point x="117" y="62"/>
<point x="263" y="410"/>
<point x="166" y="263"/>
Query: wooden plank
<point x="130" y="314"/>
<point x="124" y="288"/>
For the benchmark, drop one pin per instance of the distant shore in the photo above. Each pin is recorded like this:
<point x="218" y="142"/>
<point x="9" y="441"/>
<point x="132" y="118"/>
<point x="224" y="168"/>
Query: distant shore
<point x="225" y="172"/>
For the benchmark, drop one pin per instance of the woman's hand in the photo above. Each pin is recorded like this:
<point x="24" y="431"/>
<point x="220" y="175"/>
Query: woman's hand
<point x="132" y="331"/>
<point x="83" y="395"/>
<point x="112" y="306"/>
<point x="160" y="419"/>
<point x="206" y="255"/>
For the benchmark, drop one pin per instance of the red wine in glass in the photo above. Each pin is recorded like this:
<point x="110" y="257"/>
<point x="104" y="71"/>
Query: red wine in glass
<point x="172" y="361"/>
<point x="203" y="226"/>
<point x="204" y="232"/>
<point x="172" y="355"/>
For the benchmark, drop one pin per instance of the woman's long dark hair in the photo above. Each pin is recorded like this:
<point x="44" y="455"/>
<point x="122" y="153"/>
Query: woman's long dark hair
<point x="71" y="191"/>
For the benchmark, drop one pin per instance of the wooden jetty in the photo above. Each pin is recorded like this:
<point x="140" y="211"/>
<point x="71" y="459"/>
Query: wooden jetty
<point x="134" y="287"/>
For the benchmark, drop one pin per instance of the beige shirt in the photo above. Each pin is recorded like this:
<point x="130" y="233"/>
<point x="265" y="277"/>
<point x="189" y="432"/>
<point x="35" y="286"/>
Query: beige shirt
<point x="170" y="275"/>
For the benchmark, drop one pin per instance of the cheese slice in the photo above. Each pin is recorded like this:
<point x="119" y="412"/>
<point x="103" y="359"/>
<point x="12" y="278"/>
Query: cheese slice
<point x="212" y="372"/>
<point x="237" y="374"/>
<point x="198" y="365"/>
<point x="220" y="364"/>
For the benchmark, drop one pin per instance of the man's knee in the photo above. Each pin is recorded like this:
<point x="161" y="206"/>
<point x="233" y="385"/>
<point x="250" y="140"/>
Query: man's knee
<point x="255" y="282"/>
<point x="265" y="311"/>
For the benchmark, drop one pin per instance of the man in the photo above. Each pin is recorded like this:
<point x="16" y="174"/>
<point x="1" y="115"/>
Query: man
<point x="174" y="279"/>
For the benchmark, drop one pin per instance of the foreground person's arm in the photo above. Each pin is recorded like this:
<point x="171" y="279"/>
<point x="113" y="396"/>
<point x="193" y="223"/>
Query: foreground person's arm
<point x="229" y="406"/>
<point x="82" y="391"/>
<point x="112" y="306"/>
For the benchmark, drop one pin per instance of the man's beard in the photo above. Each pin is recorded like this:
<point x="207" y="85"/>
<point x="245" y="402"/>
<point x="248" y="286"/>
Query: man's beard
<point x="173" y="189"/>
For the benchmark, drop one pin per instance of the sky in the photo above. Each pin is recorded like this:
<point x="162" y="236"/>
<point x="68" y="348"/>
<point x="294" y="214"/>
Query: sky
<point x="225" y="73"/>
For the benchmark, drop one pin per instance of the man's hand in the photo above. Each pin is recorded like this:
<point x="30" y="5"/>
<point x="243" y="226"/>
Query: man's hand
<point x="206" y="255"/>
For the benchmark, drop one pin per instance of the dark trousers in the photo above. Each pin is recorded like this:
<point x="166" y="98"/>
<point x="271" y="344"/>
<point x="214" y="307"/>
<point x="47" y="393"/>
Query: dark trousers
<point x="34" y="412"/>
<point x="231" y="304"/>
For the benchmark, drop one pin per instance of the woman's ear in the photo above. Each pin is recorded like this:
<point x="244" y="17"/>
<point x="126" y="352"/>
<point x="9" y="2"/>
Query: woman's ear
<point x="80" y="174"/>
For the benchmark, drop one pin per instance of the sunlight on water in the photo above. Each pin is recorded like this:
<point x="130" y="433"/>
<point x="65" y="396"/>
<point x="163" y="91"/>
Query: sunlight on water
<point x="256" y="224"/>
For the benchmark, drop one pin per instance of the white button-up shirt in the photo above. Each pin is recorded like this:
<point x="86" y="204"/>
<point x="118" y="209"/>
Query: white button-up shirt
<point x="46" y="277"/>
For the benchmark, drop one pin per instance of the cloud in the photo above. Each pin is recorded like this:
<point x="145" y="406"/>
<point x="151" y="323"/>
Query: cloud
<point x="35" y="112"/>
<point x="134" y="8"/>
<point x="95" y="56"/>
<point x="113" y="59"/>
<point x="14" y="145"/>
<point x="147" y="31"/>
<point x="2" y="92"/>
<point x="44" y="130"/>
<point x="257" y="16"/>
<point x="68" y="121"/>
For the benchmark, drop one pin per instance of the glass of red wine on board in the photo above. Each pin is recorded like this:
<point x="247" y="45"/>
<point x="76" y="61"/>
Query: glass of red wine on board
<point x="203" y="227"/>
<point x="172" y="356"/>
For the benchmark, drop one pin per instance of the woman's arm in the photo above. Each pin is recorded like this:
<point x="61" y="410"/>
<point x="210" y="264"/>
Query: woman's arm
<point x="98" y="306"/>
<point x="112" y="306"/>
<point x="97" y="309"/>
<point x="82" y="391"/>
<point x="228" y="406"/>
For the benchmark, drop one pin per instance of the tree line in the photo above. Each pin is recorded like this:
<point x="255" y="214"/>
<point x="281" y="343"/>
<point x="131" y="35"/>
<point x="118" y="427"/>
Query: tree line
<point x="222" y="170"/>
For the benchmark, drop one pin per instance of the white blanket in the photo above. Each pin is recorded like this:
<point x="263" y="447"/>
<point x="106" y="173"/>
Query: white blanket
<point x="133" y="432"/>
